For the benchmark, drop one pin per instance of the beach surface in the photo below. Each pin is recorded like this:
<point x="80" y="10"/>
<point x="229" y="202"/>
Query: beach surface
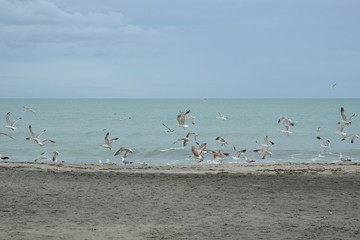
<point x="224" y="201"/>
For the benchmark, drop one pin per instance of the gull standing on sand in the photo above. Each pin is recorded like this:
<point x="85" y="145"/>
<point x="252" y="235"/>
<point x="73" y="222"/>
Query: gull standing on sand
<point x="10" y="124"/>
<point x="36" y="137"/>
<point x="55" y="156"/>
<point x="108" y="141"/>
<point x="344" y="118"/>
<point x="5" y="134"/>
<point x="343" y="159"/>
<point x="325" y="143"/>
<point x="352" y="136"/>
<point x="249" y="160"/>
<point x="3" y="157"/>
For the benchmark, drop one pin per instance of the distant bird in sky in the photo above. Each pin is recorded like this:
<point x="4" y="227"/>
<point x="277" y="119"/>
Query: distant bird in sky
<point x="332" y="85"/>
<point x="10" y="124"/>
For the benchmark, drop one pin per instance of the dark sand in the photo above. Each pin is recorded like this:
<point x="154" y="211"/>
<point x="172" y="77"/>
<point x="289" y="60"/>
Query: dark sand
<point x="258" y="201"/>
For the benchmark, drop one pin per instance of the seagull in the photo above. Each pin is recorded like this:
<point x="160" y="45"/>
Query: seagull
<point x="168" y="129"/>
<point x="27" y="109"/>
<point x="36" y="137"/>
<point x="202" y="147"/>
<point x="5" y="134"/>
<point x="285" y="120"/>
<point x="352" y="136"/>
<point x="221" y="116"/>
<point x="3" y="157"/>
<point x="267" y="143"/>
<point x="344" y="159"/>
<point x="55" y="156"/>
<point x="185" y="140"/>
<point x="249" y="160"/>
<point x="197" y="153"/>
<point x="266" y="152"/>
<point x="341" y="128"/>
<point x="344" y="118"/>
<point x="43" y="158"/>
<point x="221" y="141"/>
<point x="124" y="149"/>
<point x="237" y="154"/>
<point x="108" y="141"/>
<point x="181" y="121"/>
<point x="187" y="116"/>
<point x="325" y="143"/>
<point x="10" y="124"/>
<point x="286" y="129"/>
<point x="219" y="156"/>
<point x="332" y="85"/>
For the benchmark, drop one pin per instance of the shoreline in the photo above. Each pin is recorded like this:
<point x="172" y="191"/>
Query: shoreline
<point x="239" y="168"/>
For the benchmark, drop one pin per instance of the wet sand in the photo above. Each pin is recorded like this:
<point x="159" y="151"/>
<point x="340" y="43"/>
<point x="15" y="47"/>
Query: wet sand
<point x="242" y="201"/>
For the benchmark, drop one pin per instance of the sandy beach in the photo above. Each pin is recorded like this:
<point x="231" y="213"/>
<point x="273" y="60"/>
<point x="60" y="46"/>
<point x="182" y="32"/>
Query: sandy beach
<point x="234" y="201"/>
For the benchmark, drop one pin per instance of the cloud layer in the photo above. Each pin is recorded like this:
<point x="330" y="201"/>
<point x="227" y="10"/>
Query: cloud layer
<point x="24" y="22"/>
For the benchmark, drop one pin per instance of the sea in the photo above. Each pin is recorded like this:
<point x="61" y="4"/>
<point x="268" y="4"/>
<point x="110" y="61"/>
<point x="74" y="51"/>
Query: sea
<point x="78" y="126"/>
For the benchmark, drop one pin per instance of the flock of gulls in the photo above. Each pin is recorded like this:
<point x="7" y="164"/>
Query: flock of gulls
<point x="198" y="150"/>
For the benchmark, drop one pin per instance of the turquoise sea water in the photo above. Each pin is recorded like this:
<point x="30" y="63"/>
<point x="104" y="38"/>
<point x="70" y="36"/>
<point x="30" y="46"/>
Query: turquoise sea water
<point x="79" y="125"/>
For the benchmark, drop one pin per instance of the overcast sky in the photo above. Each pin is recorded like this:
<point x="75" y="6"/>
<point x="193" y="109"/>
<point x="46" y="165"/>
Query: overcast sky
<point x="179" y="48"/>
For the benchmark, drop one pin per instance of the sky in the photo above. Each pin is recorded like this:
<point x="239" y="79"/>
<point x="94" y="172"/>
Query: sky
<point x="179" y="48"/>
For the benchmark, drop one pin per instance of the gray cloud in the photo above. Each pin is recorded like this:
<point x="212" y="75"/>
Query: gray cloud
<point x="39" y="21"/>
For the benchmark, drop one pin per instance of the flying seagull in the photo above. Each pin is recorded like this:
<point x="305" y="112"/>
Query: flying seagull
<point x="10" y="124"/>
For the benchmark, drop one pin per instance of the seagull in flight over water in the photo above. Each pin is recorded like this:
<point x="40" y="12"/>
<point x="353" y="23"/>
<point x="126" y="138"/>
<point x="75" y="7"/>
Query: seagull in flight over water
<point x="10" y="124"/>
<point x="108" y="141"/>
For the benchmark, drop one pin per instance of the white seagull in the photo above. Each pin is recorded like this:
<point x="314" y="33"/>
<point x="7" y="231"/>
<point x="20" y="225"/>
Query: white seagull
<point x="285" y="120"/>
<point x="237" y="154"/>
<point x="325" y="143"/>
<point x="221" y="116"/>
<point x="36" y="137"/>
<point x="286" y="129"/>
<point x="344" y="118"/>
<point x="343" y="158"/>
<point x="127" y="152"/>
<point x="27" y="109"/>
<point x="352" y="136"/>
<point x="10" y="124"/>
<point x="55" y="156"/>
<point x="221" y="141"/>
<point x="108" y="141"/>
